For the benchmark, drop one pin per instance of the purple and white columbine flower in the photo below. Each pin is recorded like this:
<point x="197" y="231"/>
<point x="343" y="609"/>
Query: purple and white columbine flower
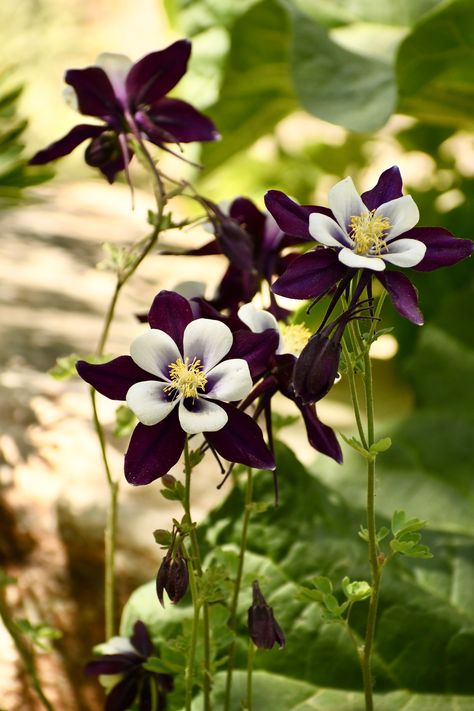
<point x="130" y="99"/>
<point x="181" y="378"/>
<point x="373" y="232"/>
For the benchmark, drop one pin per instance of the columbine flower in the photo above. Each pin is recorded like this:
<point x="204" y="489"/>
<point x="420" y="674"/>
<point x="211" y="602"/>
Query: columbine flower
<point x="253" y="243"/>
<point x="372" y="232"/>
<point x="129" y="99"/>
<point x="180" y="381"/>
<point x="264" y="630"/>
<point x="278" y="377"/>
<point x="120" y="670"/>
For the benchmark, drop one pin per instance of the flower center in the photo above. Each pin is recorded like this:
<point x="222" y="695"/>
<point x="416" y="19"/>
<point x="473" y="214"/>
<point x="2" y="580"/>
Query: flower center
<point x="187" y="378"/>
<point x="295" y="337"/>
<point x="368" y="232"/>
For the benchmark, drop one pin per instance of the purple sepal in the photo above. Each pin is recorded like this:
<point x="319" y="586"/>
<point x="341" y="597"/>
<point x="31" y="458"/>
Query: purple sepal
<point x="241" y="440"/>
<point x="316" y="368"/>
<point x="105" y="153"/>
<point x="170" y="312"/>
<point x="141" y="639"/>
<point x="291" y="217"/>
<point x="403" y="294"/>
<point x="442" y="248"/>
<point x="157" y="73"/>
<point x="310" y="275"/>
<point x="389" y="187"/>
<point x="176" y="121"/>
<point x="95" y="93"/>
<point x="255" y="348"/>
<point x="246" y="213"/>
<point x="123" y="694"/>
<point x="67" y="143"/>
<point x="154" y="450"/>
<point x="113" y="379"/>
<point x="320" y="436"/>
<point x="113" y="664"/>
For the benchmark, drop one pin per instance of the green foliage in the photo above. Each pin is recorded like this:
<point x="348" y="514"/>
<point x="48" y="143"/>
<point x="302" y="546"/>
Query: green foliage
<point x="15" y="174"/>
<point x="40" y="635"/>
<point x="65" y="366"/>
<point x="125" y="421"/>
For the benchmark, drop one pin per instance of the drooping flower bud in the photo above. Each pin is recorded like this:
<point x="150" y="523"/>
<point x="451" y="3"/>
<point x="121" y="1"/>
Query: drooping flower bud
<point x="173" y="577"/>
<point x="316" y="368"/>
<point x="264" y="630"/>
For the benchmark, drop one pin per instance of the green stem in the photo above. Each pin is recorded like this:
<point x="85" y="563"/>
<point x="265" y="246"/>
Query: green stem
<point x="238" y="582"/>
<point x="250" y="660"/>
<point x="194" y="631"/>
<point x="354" y="396"/>
<point x="25" y="653"/>
<point x="196" y="561"/>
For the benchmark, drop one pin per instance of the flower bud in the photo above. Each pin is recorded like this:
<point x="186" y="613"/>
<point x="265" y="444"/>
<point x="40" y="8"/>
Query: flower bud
<point x="173" y="577"/>
<point x="264" y="630"/>
<point x="316" y="368"/>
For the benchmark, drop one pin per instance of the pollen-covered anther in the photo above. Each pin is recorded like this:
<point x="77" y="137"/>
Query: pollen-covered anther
<point x="368" y="232"/>
<point x="295" y="336"/>
<point x="187" y="377"/>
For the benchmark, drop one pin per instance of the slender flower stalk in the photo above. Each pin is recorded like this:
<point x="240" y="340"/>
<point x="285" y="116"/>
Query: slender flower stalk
<point x="237" y="585"/>
<point x="250" y="660"/>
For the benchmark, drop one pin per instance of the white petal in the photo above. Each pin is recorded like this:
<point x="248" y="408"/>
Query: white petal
<point x="116" y="645"/>
<point x="405" y="252"/>
<point x="116" y="66"/>
<point x="257" y="319"/>
<point x="204" y="416"/>
<point x="403" y="214"/>
<point x="324" y="230"/>
<point x="345" y="202"/>
<point x="358" y="261"/>
<point x="208" y="341"/>
<point x="154" y="351"/>
<point x="231" y="380"/>
<point x="148" y="402"/>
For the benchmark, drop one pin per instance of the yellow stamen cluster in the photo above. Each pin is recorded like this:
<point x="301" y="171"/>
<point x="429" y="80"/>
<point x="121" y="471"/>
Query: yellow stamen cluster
<point x="187" y="377"/>
<point x="295" y="337"/>
<point x="368" y="232"/>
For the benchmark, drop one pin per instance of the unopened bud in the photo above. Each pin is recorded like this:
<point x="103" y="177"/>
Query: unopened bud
<point x="263" y="628"/>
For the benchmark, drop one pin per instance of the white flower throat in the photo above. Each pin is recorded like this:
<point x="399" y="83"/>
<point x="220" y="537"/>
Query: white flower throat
<point x="187" y="377"/>
<point x="368" y="232"/>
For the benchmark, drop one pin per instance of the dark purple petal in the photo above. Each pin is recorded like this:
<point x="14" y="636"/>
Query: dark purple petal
<point x="389" y="187"/>
<point x="403" y="294"/>
<point x="442" y="248"/>
<point x="141" y="639"/>
<point x="115" y="378"/>
<point x="255" y="348"/>
<point x="310" y="275"/>
<point x="113" y="664"/>
<point x="291" y="217"/>
<point x="316" y="368"/>
<point x="249" y="216"/>
<point x="170" y="312"/>
<point x="95" y="94"/>
<point x="236" y="287"/>
<point x="153" y="450"/>
<point x="241" y="440"/>
<point x="209" y="248"/>
<point x="175" y="121"/>
<point x="320" y="436"/>
<point x="157" y="73"/>
<point x="123" y="694"/>
<point x="67" y="143"/>
<point x="105" y="152"/>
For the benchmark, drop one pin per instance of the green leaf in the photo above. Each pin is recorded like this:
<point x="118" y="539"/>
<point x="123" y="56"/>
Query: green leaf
<point x="356" y="590"/>
<point x="125" y="421"/>
<point x="357" y="445"/>
<point x="338" y="85"/>
<point x="401" y="524"/>
<point x="381" y="445"/>
<point x="434" y="69"/>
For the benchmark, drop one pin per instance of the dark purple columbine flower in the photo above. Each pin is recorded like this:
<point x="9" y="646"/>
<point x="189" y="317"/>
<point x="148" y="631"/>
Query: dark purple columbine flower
<point x="278" y="377"/>
<point x="253" y="243"/>
<point x="129" y="99"/>
<point x="122" y="660"/>
<point x="181" y="378"/>
<point x="172" y="576"/>
<point x="264" y="630"/>
<point x="372" y="232"/>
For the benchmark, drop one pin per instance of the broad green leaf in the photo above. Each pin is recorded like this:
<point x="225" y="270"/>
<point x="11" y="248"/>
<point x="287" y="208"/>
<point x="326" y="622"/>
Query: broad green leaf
<point x="434" y="69"/>
<point x="338" y="85"/>
<point x="402" y="12"/>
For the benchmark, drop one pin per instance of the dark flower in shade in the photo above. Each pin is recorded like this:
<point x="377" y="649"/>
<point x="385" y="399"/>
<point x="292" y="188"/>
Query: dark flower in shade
<point x="172" y="577"/>
<point x="264" y="630"/>
<point x="372" y="232"/>
<point x="181" y="378"/>
<point x="130" y="99"/>
<point x="253" y="243"/>
<point x="278" y="377"/>
<point x="122" y="660"/>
